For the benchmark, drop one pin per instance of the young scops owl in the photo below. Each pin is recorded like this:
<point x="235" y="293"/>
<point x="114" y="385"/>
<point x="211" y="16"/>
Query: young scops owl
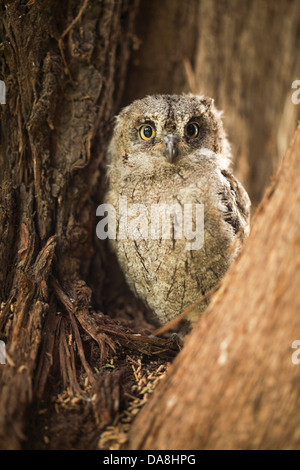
<point x="180" y="214"/>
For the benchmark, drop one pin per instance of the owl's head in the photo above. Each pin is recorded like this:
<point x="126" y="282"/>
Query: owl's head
<point x="168" y="129"/>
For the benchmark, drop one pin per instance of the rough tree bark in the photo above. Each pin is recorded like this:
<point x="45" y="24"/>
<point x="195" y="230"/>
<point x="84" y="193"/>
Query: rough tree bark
<point x="64" y="65"/>
<point x="234" y="385"/>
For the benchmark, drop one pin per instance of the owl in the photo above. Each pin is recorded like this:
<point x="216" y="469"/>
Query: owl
<point x="178" y="216"/>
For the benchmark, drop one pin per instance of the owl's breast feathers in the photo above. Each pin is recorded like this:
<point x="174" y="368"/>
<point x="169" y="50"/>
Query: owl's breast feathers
<point x="163" y="272"/>
<point x="203" y="181"/>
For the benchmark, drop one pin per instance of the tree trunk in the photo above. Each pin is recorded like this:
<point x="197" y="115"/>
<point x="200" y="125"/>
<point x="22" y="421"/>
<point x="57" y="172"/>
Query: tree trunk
<point x="235" y="385"/>
<point x="64" y="65"/>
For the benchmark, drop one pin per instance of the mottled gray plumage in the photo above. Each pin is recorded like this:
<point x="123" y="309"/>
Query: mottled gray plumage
<point x="174" y="166"/>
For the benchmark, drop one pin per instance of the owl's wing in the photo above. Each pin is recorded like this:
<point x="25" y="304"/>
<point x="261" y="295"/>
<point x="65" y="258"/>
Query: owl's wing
<point x="237" y="203"/>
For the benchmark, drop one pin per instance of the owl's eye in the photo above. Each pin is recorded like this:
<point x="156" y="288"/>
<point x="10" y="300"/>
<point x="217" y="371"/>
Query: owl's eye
<point x="192" y="130"/>
<point x="147" y="132"/>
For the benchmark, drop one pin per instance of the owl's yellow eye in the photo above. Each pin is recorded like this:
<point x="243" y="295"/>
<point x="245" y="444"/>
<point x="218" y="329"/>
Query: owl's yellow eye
<point x="147" y="132"/>
<point x="192" y="130"/>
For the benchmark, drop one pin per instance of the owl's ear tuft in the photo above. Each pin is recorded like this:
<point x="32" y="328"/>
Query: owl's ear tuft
<point x="208" y="102"/>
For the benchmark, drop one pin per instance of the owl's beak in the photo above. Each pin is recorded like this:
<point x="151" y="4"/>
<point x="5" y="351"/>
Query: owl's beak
<point x="171" y="150"/>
